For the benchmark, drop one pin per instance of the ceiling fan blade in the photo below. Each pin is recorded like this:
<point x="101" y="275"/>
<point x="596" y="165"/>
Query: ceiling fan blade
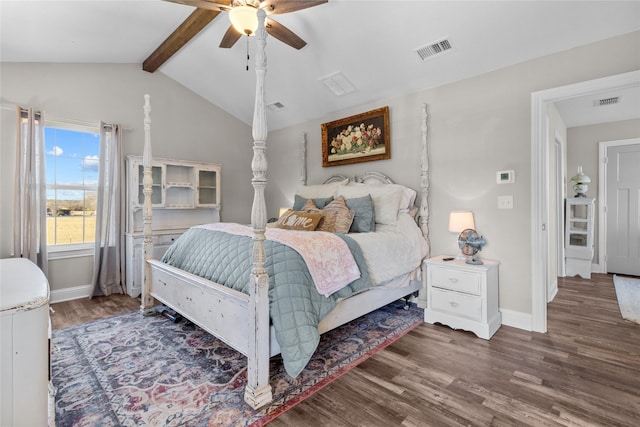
<point x="274" y="7"/>
<point x="230" y="37"/>
<point x="284" y="34"/>
<point x="191" y="26"/>
<point x="223" y="6"/>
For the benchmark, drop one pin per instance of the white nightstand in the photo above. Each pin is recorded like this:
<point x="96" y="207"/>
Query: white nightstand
<point x="463" y="296"/>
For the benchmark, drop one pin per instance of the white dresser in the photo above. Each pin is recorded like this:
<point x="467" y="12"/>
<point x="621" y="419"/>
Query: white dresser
<point x="463" y="296"/>
<point x="24" y="350"/>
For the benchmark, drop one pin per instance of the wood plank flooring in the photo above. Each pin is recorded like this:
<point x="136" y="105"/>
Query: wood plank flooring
<point x="584" y="372"/>
<point x="75" y="312"/>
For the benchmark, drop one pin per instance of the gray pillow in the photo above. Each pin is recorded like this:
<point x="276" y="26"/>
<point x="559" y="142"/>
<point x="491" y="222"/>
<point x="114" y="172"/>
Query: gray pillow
<point x="300" y="201"/>
<point x="364" y="219"/>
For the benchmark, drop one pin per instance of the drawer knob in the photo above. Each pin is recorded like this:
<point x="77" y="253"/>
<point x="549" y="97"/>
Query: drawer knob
<point x="453" y="279"/>
<point x="453" y="304"/>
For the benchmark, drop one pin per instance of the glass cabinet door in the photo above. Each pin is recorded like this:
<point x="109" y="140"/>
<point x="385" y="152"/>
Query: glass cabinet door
<point x="207" y="187"/>
<point x="156" y="195"/>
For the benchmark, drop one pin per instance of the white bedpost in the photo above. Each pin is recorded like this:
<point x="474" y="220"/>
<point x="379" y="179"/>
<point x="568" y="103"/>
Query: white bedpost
<point x="423" y="219"/>
<point x="258" y="391"/>
<point x="146" y="306"/>
<point x="303" y="160"/>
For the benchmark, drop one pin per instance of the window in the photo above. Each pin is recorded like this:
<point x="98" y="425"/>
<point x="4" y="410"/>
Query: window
<point x="71" y="168"/>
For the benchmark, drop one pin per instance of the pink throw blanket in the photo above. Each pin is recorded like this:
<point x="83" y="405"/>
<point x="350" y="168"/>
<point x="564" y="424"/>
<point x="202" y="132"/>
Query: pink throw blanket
<point x="328" y="258"/>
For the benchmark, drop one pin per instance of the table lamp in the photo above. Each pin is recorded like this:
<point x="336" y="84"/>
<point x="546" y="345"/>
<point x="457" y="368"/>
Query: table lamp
<point x="458" y="222"/>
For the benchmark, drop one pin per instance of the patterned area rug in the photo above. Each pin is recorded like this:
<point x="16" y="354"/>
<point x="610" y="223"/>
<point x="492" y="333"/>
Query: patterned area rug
<point x="147" y="371"/>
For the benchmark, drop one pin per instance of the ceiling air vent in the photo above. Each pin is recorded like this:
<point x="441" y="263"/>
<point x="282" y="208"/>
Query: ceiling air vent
<point x="433" y="49"/>
<point x="608" y="101"/>
<point x="276" y="106"/>
<point x="338" y="84"/>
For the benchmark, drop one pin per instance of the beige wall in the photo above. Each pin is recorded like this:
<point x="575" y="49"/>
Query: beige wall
<point x="184" y="126"/>
<point x="582" y="150"/>
<point x="478" y="126"/>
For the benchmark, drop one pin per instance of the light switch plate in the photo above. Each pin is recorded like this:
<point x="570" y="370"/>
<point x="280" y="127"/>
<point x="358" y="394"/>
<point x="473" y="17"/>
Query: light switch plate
<point x="505" y="202"/>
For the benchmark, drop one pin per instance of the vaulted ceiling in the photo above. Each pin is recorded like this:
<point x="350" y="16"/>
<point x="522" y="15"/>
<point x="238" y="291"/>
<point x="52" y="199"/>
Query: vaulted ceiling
<point x="373" y="45"/>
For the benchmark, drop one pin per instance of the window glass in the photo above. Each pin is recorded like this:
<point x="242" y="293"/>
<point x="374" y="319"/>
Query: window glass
<point x="72" y="160"/>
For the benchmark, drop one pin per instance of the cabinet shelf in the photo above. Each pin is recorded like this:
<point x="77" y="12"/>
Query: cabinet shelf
<point x="579" y="236"/>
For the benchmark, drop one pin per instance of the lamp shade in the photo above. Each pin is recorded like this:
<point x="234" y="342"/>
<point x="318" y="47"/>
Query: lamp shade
<point x="244" y="19"/>
<point x="460" y="221"/>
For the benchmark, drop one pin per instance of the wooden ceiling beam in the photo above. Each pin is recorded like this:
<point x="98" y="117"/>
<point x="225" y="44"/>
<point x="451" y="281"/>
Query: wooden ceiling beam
<point x="191" y="26"/>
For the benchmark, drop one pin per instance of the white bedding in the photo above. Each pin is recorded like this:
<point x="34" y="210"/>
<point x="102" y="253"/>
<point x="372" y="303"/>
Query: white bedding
<point x="402" y="243"/>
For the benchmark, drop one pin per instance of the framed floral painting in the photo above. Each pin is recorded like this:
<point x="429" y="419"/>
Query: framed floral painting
<point x="360" y="138"/>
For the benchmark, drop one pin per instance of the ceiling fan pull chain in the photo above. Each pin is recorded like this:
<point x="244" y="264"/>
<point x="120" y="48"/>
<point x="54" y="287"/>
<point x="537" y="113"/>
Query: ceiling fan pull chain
<point x="247" y="53"/>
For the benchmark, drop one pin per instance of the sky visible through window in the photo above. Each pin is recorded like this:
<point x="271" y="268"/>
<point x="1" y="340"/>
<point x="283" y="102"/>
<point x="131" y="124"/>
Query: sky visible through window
<point x="71" y="160"/>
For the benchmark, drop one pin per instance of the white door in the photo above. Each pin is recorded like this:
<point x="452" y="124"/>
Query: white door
<point x="623" y="215"/>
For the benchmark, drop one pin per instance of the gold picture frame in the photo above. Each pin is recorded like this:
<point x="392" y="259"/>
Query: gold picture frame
<point x="360" y="138"/>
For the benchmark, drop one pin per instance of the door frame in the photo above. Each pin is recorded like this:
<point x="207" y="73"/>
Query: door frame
<point x="561" y="166"/>
<point x="603" y="146"/>
<point x="540" y="177"/>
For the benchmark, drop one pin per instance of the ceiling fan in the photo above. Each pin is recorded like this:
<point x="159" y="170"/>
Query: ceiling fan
<point x="244" y="19"/>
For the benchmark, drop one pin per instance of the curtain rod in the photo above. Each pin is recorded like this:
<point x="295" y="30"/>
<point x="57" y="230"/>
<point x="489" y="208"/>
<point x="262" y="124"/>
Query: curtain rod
<point x="62" y="120"/>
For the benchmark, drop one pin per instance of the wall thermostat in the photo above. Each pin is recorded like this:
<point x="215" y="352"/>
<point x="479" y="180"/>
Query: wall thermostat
<point x="506" y="177"/>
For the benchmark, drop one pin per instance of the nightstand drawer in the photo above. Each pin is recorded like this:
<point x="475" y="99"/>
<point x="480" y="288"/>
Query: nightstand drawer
<point x="455" y="280"/>
<point x="457" y="304"/>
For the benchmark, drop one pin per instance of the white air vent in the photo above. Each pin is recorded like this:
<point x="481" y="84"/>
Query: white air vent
<point x="338" y="84"/>
<point x="607" y="101"/>
<point x="276" y="106"/>
<point x="432" y="49"/>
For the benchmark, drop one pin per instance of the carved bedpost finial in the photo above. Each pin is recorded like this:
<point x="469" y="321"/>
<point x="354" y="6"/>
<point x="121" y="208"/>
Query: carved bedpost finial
<point x="258" y="390"/>
<point x="147" y="212"/>
<point x="424" y="179"/>
<point x="303" y="160"/>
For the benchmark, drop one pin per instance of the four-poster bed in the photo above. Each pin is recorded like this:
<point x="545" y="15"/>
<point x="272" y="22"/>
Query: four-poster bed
<point x="242" y="320"/>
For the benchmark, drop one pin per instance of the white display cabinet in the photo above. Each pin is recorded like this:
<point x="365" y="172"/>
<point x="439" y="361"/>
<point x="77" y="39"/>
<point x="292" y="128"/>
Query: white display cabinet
<point x="184" y="194"/>
<point x="579" y="236"/>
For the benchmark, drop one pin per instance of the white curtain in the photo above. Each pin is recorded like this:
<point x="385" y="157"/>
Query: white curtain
<point x="108" y="265"/>
<point x="30" y="202"/>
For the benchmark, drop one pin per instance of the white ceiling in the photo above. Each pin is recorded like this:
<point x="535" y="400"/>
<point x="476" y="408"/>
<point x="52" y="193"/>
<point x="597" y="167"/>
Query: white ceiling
<point x="372" y="43"/>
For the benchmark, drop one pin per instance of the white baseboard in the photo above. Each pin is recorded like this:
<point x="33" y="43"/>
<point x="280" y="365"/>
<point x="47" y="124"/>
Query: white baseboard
<point x="553" y="293"/>
<point x="516" y="319"/>
<point x="68" y="294"/>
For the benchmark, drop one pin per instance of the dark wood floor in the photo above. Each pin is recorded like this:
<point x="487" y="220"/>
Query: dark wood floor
<point x="584" y="372"/>
<point x="84" y="310"/>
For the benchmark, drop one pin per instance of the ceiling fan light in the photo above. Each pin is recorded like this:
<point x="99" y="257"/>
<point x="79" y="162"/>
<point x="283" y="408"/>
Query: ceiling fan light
<point x="244" y="19"/>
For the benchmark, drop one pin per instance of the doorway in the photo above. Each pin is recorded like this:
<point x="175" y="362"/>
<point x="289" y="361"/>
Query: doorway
<point x="618" y="183"/>
<point x="540" y="238"/>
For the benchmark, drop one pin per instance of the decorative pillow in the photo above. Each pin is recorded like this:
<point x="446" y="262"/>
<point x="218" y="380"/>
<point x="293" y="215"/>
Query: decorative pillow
<point x="320" y="190"/>
<point x="343" y="216"/>
<point x="408" y="199"/>
<point x="336" y="216"/>
<point x="386" y="199"/>
<point x="300" y="201"/>
<point x="298" y="220"/>
<point x="364" y="219"/>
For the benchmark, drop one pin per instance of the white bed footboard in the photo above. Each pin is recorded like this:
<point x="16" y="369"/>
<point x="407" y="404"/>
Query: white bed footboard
<point x="219" y="310"/>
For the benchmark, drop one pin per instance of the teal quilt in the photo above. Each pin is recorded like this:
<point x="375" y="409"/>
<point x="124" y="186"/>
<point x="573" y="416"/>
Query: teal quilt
<point x="296" y="308"/>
